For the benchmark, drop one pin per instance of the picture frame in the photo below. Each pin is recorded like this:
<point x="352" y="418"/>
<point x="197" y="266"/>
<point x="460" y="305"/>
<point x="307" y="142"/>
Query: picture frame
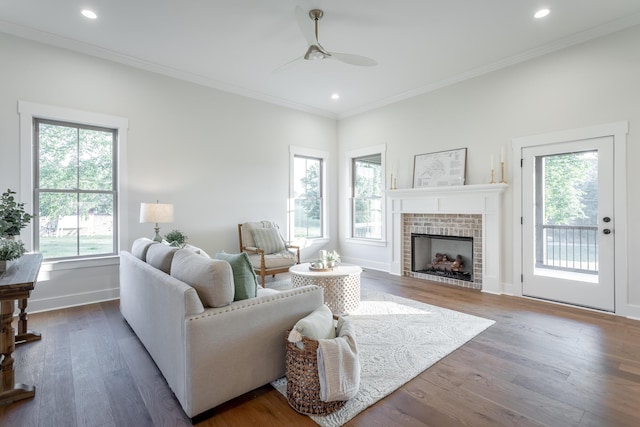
<point x="442" y="168"/>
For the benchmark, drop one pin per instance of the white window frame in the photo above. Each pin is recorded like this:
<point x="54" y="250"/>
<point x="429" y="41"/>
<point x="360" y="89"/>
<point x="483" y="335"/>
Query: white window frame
<point x="349" y="158"/>
<point x="30" y="110"/>
<point x="324" y="220"/>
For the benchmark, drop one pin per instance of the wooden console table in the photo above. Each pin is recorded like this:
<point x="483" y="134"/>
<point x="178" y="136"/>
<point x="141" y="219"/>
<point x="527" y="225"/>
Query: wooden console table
<point x="15" y="284"/>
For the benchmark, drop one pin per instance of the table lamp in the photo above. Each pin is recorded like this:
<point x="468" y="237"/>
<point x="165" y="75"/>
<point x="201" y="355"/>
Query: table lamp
<point x="159" y="213"/>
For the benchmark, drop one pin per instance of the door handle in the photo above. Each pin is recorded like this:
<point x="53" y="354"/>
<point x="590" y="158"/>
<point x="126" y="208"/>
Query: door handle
<point x="606" y="231"/>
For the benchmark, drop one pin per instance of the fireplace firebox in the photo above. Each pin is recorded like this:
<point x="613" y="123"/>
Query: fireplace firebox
<point x="443" y="256"/>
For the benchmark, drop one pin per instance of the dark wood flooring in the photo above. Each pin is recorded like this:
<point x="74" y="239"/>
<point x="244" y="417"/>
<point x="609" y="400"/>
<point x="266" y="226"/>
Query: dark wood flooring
<point x="540" y="364"/>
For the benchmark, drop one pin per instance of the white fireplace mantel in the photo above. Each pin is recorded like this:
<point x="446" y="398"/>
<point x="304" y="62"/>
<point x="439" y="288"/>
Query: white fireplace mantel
<point x="484" y="199"/>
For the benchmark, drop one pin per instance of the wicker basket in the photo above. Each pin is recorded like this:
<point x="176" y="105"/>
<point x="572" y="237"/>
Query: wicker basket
<point x="303" y="385"/>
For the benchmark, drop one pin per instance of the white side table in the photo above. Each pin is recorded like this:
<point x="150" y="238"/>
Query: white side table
<point x="341" y="285"/>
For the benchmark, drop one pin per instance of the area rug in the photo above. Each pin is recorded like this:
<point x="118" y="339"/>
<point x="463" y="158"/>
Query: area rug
<point x="397" y="339"/>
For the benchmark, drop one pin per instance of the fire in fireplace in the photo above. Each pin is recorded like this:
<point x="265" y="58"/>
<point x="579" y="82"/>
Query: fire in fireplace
<point x="448" y="256"/>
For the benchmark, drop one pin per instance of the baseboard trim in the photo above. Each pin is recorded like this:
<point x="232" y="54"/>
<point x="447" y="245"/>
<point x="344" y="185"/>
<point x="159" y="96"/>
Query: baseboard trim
<point x="72" y="300"/>
<point x="367" y="264"/>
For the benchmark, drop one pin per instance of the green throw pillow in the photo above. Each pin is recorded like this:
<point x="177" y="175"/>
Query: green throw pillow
<point x="268" y="239"/>
<point x="244" y="278"/>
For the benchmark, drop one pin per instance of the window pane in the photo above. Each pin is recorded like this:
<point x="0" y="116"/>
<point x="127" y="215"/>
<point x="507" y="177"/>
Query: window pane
<point x="307" y="189"/>
<point x="58" y="225"/>
<point x="58" y="156"/>
<point x="96" y="158"/>
<point x="307" y="218"/>
<point x="96" y="224"/>
<point x="367" y="197"/>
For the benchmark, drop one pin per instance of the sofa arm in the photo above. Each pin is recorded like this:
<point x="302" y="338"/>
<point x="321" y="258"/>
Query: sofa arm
<point x="241" y="346"/>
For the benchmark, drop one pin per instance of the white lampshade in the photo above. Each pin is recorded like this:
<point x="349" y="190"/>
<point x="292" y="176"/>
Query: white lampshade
<point x="156" y="212"/>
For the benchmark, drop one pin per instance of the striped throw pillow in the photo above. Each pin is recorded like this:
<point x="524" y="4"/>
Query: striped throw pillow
<point x="268" y="239"/>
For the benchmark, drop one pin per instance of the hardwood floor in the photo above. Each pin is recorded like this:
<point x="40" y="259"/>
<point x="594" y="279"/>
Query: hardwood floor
<point x="540" y="364"/>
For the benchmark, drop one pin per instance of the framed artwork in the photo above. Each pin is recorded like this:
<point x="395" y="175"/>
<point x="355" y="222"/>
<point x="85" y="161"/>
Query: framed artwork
<point x="440" y="169"/>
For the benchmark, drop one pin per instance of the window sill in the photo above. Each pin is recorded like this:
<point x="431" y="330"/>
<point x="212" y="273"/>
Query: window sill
<point x="366" y="242"/>
<point x="72" y="264"/>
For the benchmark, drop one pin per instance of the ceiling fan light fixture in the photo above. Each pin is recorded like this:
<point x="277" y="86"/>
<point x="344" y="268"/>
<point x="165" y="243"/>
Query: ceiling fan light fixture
<point x="314" y="53"/>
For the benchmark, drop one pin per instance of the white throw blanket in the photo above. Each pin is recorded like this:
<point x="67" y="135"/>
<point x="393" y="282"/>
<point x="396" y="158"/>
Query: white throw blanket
<point x="338" y="364"/>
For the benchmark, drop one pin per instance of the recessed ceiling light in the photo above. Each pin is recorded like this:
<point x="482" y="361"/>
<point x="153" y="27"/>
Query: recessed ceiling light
<point x="542" y="13"/>
<point x="335" y="96"/>
<point x="89" y="14"/>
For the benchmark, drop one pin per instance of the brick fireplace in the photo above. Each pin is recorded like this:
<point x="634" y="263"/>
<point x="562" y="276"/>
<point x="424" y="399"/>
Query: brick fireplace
<point x="465" y="210"/>
<point x="445" y="225"/>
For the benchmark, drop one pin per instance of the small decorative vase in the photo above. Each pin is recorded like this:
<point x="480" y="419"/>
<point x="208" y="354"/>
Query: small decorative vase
<point x="331" y="264"/>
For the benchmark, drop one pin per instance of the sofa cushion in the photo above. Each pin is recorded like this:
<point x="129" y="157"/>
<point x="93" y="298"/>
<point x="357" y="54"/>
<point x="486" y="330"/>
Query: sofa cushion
<point x="268" y="239"/>
<point x="140" y="246"/>
<point x="160" y="256"/>
<point x="211" y="278"/>
<point x="317" y="325"/>
<point x="244" y="278"/>
<point x="197" y="250"/>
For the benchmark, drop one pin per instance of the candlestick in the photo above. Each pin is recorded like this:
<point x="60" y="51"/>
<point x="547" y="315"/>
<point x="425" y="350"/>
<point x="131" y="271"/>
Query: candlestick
<point x="492" y="181"/>
<point x="395" y="183"/>
<point x="502" y="181"/>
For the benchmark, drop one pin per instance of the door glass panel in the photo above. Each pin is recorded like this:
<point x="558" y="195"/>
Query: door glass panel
<point x="566" y="211"/>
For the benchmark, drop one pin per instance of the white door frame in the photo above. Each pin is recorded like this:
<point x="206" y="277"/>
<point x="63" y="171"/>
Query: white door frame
<point x="619" y="132"/>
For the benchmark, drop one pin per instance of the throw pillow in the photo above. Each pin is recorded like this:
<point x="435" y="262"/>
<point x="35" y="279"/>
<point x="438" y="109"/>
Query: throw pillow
<point x="317" y="325"/>
<point x="244" y="278"/>
<point x="268" y="239"/>
<point x="160" y="256"/>
<point x="140" y="246"/>
<point x="211" y="278"/>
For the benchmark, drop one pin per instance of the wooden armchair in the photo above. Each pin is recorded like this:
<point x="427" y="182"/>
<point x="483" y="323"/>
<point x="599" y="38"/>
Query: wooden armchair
<point x="267" y="250"/>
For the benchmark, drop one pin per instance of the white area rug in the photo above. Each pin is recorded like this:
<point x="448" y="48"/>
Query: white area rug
<point x="397" y="339"/>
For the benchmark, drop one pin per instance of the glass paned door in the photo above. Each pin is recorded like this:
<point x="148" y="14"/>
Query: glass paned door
<point x="568" y="222"/>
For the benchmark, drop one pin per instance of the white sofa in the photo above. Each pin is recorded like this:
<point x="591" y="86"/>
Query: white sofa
<point x="208" y="355"/>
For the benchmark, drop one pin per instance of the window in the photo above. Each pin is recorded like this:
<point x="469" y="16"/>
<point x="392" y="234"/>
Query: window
<point x="307" y="213"/>
<point x="367" y="196"/>
<point x="75" y="189"/>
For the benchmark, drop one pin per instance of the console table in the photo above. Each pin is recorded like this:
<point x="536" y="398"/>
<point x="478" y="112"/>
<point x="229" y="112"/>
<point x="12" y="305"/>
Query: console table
<point x="15" y="284"/>
<point x="341" y="285"/>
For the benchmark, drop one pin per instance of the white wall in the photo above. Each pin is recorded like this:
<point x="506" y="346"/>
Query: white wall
<point x="593" y="83"/>
<point x="219" y="158"/>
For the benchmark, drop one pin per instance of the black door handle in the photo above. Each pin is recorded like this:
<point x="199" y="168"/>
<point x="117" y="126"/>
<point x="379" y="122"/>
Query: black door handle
<point x="606" y="231"/>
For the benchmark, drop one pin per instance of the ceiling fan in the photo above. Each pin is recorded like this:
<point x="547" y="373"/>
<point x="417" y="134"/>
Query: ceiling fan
<point x="316" y="51"/>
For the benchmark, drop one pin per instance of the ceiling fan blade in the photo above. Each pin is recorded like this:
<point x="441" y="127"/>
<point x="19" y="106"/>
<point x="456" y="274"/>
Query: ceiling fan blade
<point x="352" y="59"/>
<point x="288" y="64"/>
<point x="302" y="18"/>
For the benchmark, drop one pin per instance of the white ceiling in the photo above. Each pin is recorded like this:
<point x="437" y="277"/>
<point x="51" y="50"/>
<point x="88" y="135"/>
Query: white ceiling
<point x="233" y="45"/>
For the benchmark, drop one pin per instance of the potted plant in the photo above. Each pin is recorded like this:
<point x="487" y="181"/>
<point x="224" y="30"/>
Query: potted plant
<point x="13" y="217"/>
<point x="10" y="250"/>
<point x="176" y="238"/>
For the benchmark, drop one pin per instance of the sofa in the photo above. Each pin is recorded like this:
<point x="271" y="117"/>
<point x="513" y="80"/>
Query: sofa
<point x="208" y="355"/>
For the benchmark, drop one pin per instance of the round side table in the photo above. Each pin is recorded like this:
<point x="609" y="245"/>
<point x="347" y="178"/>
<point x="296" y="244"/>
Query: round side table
<point x="341" y="285"/>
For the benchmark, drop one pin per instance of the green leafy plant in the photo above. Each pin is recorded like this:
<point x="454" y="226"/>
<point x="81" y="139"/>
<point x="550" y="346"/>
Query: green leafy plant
<point x="13" y="217"/>
<point x="11" y="249"/>
<point x="176" y="238"/>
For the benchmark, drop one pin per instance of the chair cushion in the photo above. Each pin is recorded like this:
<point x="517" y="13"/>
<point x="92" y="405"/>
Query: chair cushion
<point x="268" y="239"/>
<point x="279" y="260"/>
<point x="140" y="246"/>
<point x="247" y="231"/>
<point x="211" y="278"/>
<point x="244" y="278"/>
<point x="160" y="257"/>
